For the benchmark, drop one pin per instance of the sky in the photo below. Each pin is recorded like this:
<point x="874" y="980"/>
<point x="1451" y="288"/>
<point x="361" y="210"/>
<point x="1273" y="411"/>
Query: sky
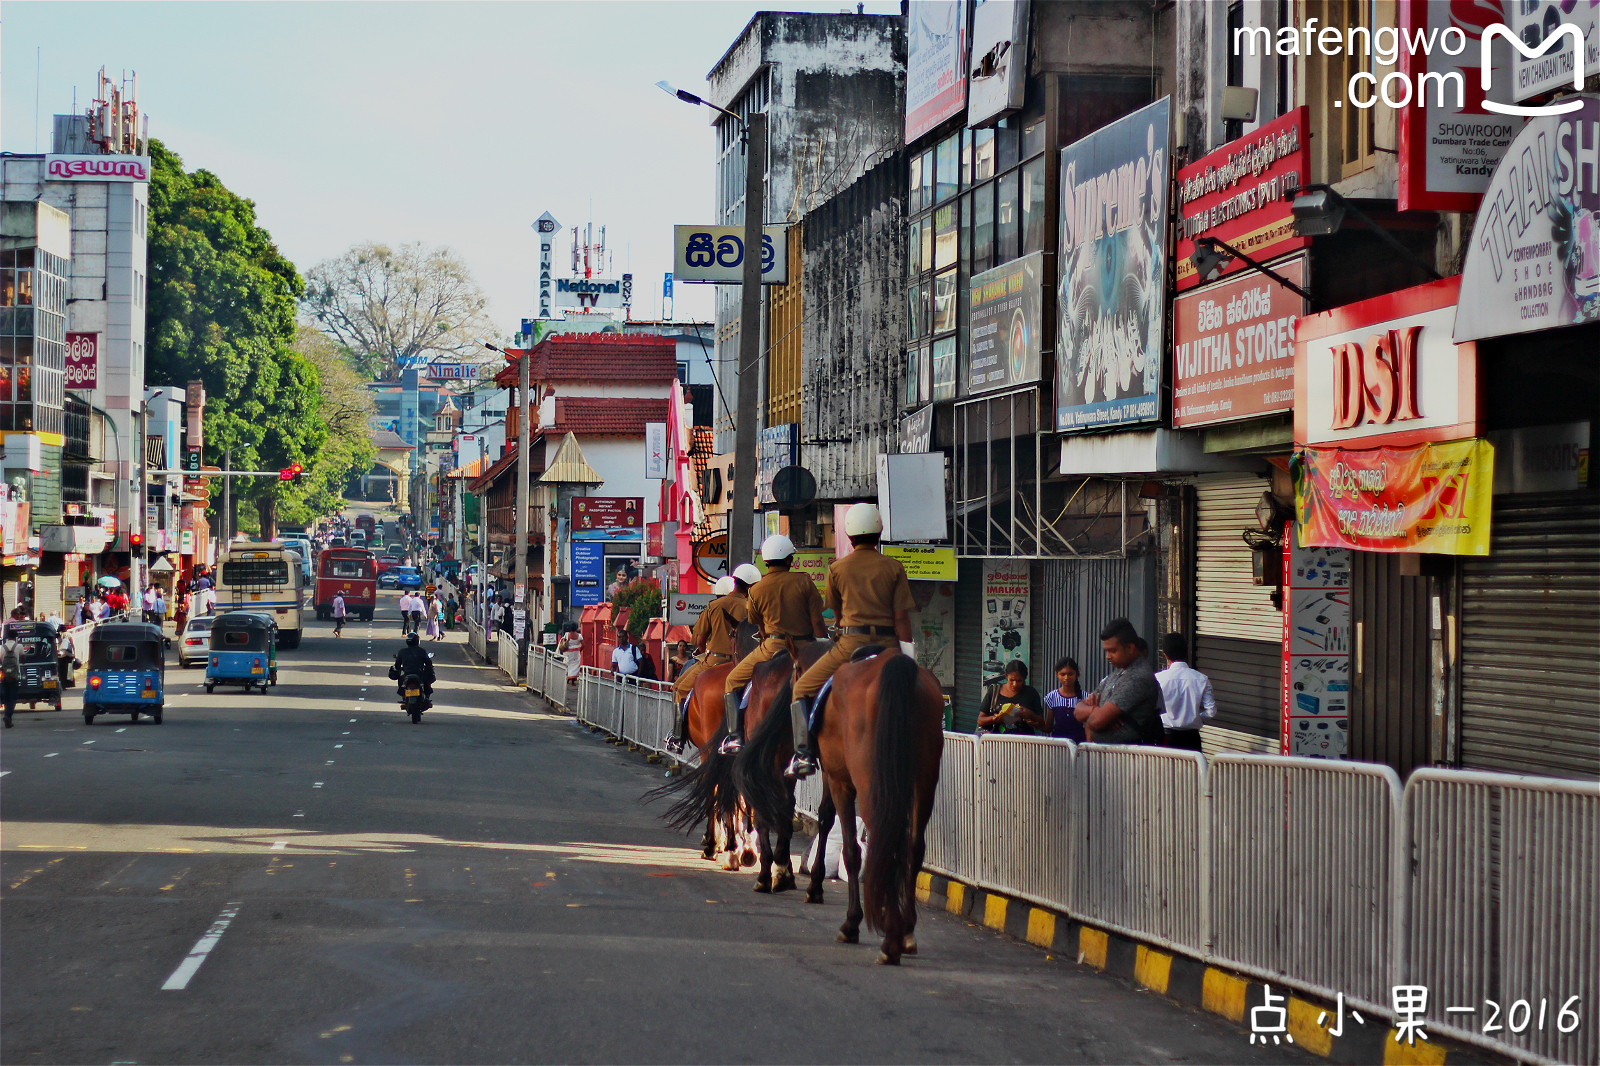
<point x="448" y="123"/>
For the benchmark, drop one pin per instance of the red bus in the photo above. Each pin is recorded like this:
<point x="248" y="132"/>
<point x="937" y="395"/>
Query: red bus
<point x="352" y="572"/>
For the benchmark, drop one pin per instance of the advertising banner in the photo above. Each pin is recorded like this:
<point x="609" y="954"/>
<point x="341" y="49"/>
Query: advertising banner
<point x="1535" y="22"/>
<point x="1113" y="268"/>
<point x="924" y="562"/>
<point x="1426" y="498"/>
<point x="933" y="625"/>
<point x="1449" y="143"/>
<point x="1006" y="618"/>
<point x="1233" y="348"/>
<point x="999" y="60"/>
<point x="588" y="574"/>
<point x="83" y="361"/>
<point x="715" y="255"/>
<point x="814" y="564"/>
<point x="936" y="63"/>
<point x="1317" y="638"/>
<point x="1534" y="261"/>
<point x="778" y="447"/>
<point x="683" y="608"/>
<point x="1241" y="193"/>
<point x="97" y="167"/>
<point x="655" y="450"/>
<point x="916" y="431"/>
<point x="1007" y="321"/>
<point x="589" y="293"/>
<point x="451" y="371"/>
<point x="608" y="518"/>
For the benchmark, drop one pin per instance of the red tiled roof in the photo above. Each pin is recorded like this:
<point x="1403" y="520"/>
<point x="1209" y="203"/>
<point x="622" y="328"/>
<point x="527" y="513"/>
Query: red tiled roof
<point x="604" y="357"/>
<point x="592" y="415"/>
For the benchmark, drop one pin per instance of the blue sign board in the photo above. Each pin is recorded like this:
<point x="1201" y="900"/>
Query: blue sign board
<point x="588" y="573"/>
<point x="666" y="286"/>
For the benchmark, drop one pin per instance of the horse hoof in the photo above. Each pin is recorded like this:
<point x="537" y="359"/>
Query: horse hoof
<point x="908" y="945"/>
<point x="813" y="897"/>
<point x="886" y="959"/>
<point x="784" y="884"/>
<point x="747" y="858"/>
<point x="847" y="937"/>
<point x="763" y="886"/>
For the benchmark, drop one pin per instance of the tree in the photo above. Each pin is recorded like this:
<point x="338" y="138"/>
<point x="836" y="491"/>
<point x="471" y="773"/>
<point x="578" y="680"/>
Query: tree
<point x="221" y="309"/>
<point x="641" y="598"/>
<point x="393" y="305"/>
<point x="344" y="407"/>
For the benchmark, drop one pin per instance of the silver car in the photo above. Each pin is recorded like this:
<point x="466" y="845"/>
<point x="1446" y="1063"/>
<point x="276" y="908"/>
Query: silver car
<point x="194" y="643"/>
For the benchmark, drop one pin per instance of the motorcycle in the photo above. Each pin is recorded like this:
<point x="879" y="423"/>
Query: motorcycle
<point x="415" y="697"/>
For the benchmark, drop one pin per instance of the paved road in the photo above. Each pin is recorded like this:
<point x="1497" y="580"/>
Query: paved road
<point x="483" y="887"/>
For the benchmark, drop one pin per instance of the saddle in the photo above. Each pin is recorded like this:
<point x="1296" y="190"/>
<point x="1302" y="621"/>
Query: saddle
<point x="862" y="654"/>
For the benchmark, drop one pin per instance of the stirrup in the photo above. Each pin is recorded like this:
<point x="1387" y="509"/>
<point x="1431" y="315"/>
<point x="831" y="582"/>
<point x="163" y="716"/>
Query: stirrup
<point x="803" y="765"/>
<point x="674" y="745"/>
<point x="730" y="744"/>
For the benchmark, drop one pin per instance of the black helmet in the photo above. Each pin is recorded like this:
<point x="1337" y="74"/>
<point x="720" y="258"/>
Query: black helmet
<point x="412" y="639"/>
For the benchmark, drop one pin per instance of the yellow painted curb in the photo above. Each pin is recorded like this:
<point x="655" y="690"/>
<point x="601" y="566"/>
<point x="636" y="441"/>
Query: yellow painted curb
<point x="994" y="911"/>
<point x="1305" y="1030"/>
<point x="1041" y="928"/>
<point x="955" y="897"/>
<point x="1092" y="945"/>
<point x="1399" y="1053"/>
<point x="924" y="887"/>
<point x="1152" y="968"/>
<point x="1222" y="993"/>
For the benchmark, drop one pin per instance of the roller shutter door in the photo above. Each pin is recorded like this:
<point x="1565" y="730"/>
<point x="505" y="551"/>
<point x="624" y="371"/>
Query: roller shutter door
<point x="969" y="644"/>
<point x="1238" y="632"/>
<point x="1530" y="630"/>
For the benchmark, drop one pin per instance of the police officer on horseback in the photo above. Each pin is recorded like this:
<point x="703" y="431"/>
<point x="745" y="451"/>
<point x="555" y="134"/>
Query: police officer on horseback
<point x="871" y="602"/>
<point x="713" y="641"/>
<point x="785" y="606"/>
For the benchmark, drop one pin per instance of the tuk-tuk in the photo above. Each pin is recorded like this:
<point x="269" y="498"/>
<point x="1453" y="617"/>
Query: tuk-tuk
<point x="39" y="680"/>
<point x="127" y="671"/>
<point x="244" y="651"/>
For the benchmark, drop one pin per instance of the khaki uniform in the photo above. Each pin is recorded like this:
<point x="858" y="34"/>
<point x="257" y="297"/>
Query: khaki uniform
<point x="713" y="631"/>
<point x="782" y="602"/>
<point x="865" y="588"/>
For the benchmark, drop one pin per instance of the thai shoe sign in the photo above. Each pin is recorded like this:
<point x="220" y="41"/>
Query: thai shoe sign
<point x="1428" y="498"/>
<point x="97" y="168"/>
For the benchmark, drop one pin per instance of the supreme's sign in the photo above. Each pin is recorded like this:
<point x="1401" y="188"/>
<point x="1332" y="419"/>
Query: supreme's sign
<point x="1385" y="371"/>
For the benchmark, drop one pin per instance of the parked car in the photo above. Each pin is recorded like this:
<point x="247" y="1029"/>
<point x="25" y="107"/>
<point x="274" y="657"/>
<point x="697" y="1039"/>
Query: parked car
<point x="194" y="641"/>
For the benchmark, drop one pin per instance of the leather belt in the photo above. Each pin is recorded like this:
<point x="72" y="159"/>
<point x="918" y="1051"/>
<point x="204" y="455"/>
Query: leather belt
<point x="870" y="631"/>
<point x="792" y="636"/>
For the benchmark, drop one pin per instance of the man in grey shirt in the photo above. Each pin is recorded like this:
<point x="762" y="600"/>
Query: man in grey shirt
<point x="1126" y="708"/>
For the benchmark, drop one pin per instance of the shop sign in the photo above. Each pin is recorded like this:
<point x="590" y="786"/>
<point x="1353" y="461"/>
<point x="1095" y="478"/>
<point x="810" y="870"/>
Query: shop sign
<point x="1317" y="638"/>
<point x="83" y="361"/>
<point x="547" y="227"/>
<point x="608" y="518"/>
<point x="916" y="431"/>
<point x="999" y="60"/>
<point x="1233" y="348"/>
<point x="1535" y="23"/>
<point x="1241" y="193"/>
<point x="936" y="63"/>
<point x="97" y="168"/>
<point x="588" y="573"/>
<point x="1449" y="142"/>
<point x="1534" y="261"/>
<point x="1007" y="323"/>
<point x="1426" y="498"/>
<point x="1385" y="371"/>
<point x="933" y="624"/>
<point x="1113" y="269"/>
<point x="451" y="371"/>
<point x="655" y="450"/>
<point x="1541" y="458"/>
<point x="715" y="255"/>
<point x="814" y="564"/>
<point x="778" y="447"/>
<point x="589" y="293"/>
<point x="711" y="557"/>
<point x="924" y="562"/>
<point x="1006" y="617"/>
<point x="684" y="608"/>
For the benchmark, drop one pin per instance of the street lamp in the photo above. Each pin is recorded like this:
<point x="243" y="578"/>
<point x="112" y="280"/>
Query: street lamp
<point x="135" y="551"/>
<point x="1211" y="255"/>
<point x="742" y="505"/>
<point x="1319" y="211"/>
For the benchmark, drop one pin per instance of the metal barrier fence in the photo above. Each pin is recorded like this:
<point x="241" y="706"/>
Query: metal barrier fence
<point x="506" y="657"/>
<point x="1502" y="910"/>
<point x="952" y="836"/>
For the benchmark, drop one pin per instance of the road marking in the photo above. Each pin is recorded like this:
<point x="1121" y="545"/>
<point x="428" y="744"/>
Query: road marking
<point x="25" y="878"/>
<point x="316" y="784"/>
<point x="298" y="814"/>
<point x="347" y="732"/>
<point x="330" y="761"/>
<point x="124" y="729"/>
<point x="186" y="969"/>
<point x="279" y="845"/>
<point x="4" y="772"/>
<point x="52" y="755"/>
<point x="87" y="743"/>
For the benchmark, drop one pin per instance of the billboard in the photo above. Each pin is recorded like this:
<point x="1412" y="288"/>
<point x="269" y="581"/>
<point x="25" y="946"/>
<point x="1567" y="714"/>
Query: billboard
<point x="83" y="361"/>
<point x="1006" y="325"/>
<point x="715" y="255"/>
<point x="936" y="63"/>
<point x="589" y="293"/>
<point x="999" y="60"/>
<point x="1113" y="270"/>
<point x="608" y="518"/>
<point x="588" y="574"/>
<point x="1233" y="348"/>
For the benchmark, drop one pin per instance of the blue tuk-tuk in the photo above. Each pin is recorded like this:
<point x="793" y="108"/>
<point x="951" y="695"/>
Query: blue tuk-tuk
<point x="127" y="672"/>
<point x="244" y="651"/>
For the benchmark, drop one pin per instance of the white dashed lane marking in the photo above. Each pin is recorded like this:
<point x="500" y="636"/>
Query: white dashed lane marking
<point x="186" y="969"/>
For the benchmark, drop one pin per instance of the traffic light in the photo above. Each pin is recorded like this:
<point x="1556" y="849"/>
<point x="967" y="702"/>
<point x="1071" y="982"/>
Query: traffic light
<point x="291" y="472"/>
<point x="135" y="540"/>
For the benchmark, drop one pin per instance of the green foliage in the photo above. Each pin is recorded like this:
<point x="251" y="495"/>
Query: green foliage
<point x="641" y="598"/>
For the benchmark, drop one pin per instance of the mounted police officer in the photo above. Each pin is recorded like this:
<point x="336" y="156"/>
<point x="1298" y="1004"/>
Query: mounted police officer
<point x="713" y="643"/>
<point x="783" y="604"/>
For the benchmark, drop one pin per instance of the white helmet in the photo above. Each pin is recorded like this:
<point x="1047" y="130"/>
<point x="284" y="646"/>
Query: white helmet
<point x="776" y="548"/>
<point x="861" y="519"/>
<point x="723" y="586"/>
<point x="747" y="573"/>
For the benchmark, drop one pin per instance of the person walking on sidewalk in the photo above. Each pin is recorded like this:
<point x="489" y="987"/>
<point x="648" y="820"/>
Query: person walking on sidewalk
<point x="1186" y="693"/>
<point x="338" y="614"/>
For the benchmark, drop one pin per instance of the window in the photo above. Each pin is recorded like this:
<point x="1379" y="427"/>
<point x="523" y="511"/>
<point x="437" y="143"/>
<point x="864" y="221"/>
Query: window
<point x="944" y="301"/>
<point x="236" y="638"/>
<point x="1008" y="219"/>
<point x="1341" y="137"/>
<point x="917" y="304"/>
<point x="944" y="370"/>
<point x="1033" y="206"/>
<point x="1006" y="144"/>
<point x="946" y="172"/>
<point x="982" y="155"/>
<point x="122" y="653"/>
<point x="916" y="184"/>
<point x="944" y="242"/>
<point x="983" y="229"/>
<point x="914" y="248"/>
<point x="255" y="572"/>
<point x="1233" y="129"/>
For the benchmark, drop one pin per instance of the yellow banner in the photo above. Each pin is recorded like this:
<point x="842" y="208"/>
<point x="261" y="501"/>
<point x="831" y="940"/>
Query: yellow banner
<point x="923" y="562"/>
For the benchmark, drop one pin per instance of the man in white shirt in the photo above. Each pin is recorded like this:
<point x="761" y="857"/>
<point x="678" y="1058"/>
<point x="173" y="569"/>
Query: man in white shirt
<point x="1186" y="693"/>
<point x="405" y="613"/>
<point x="625" y="656"/>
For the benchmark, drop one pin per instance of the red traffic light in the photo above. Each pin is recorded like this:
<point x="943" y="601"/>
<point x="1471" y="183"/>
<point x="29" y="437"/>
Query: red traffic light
<point x="135" y="539"/>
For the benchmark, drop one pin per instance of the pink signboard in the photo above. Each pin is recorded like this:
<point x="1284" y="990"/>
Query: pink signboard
<point x="83" y="361"/>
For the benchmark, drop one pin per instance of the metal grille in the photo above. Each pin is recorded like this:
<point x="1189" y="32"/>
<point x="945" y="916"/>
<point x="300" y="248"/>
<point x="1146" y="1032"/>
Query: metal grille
<point x="1027" y="839"/>
<point x="952" y="839"/>
<point x="1078" y="597"/>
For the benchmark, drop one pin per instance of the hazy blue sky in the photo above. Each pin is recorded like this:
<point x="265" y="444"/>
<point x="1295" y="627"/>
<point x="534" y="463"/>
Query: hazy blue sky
<point x="450" y="123"/>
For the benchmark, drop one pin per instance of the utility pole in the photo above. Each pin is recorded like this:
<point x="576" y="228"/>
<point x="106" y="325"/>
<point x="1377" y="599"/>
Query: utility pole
<point x="743" y="504"/>
<point x="524" y="413"/>
<point x="135" y="560"/>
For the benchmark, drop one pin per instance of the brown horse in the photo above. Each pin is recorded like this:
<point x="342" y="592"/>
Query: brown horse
<point x="707" y="791"/>
<point x="881" y="742"/>
<point x="758" y="768"/>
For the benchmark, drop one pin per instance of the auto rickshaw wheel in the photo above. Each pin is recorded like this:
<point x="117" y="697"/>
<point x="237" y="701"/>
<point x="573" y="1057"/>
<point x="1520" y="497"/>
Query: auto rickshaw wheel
<point x="88" y="718"/>
<point x="210" y="688"/>
<point x="133" y="716"/>
<point x="156" y="718"/>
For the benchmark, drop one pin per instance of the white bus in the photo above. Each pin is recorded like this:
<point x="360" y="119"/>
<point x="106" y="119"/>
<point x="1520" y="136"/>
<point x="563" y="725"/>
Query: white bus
<point x="267" y="578"/>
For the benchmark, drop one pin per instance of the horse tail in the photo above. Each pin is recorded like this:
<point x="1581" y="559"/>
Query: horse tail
<point x="699" y="793"/>
<point x="887" y="889"/>
<point x="755" y="771"/>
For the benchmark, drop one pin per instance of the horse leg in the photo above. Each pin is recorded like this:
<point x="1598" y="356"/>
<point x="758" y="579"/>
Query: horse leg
<point x="784" y="860"/>
<point x="819" y="869"/>
<point x="764" y="878"/>
<point x="747" y="853"/>
<point x="850" y="855"/>
<point x="919" y="847"/>
<point x="708" y="843"/>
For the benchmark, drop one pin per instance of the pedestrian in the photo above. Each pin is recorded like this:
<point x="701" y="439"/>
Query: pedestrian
<point x="435" y="619"/>
<point x="450" y="609"/>
<point x="1185" y="694"/>
<point x="180" y="605"/>
<point x="66" y="658"/>
<point x="80" y="612"/>
<point x="679" y="660"/>
<point x="1061" y="701"/>
<point x="339" y="614"/>
<point x="160" y="612"/>
<point x="405" y="613"/>
<point x="1013" y="706"/>
<point x="418" y="606"/>
<point x="148" y="604"/>
<point x="10" y="671"/>
<point x="625" y="656"/>
<point x="1126" y="708"/>
<point x="571" y="647"/>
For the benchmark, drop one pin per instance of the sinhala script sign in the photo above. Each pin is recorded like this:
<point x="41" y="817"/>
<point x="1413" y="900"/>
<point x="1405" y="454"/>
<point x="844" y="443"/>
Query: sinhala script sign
<point x="715" y="254"/>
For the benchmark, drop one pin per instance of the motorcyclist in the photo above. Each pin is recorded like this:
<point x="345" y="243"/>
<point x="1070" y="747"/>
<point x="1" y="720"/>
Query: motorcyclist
<point x="411" y="659"/>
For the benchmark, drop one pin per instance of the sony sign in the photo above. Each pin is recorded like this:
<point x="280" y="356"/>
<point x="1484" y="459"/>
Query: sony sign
<point x="589" y="293"/>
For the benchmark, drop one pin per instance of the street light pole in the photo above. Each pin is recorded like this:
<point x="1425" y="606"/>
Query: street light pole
<point x="743" y="504"/>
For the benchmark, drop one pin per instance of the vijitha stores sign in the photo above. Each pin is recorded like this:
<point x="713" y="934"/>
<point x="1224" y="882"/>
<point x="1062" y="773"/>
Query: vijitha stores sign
<point x="1113" y="267"/>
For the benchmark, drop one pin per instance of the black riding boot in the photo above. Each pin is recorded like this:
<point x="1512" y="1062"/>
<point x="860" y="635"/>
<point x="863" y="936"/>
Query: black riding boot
<point x="804" y="763"/>
<point x="680" y="728"/>
<point x="733" y="741"/>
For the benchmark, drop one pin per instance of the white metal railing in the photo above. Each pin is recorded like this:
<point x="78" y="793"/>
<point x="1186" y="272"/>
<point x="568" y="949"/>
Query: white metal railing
<point x="952" y="839"/>
<point x="1037" y="828"/>
<point x="506" y="657"/>
<point x="1502" y="910"/>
